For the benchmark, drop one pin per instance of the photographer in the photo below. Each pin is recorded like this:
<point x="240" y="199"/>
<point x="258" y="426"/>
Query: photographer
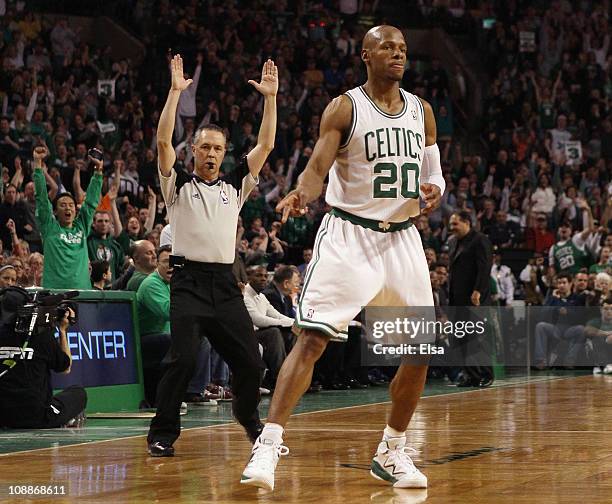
<point x="26" y="397"/>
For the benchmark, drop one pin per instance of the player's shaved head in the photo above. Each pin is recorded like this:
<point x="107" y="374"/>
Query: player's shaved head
<point x="378" y="33"/>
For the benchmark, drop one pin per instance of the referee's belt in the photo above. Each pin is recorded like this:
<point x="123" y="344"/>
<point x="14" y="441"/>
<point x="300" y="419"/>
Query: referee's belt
<point x="374" y="225"/>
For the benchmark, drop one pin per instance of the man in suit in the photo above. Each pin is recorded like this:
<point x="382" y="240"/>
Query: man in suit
<point x="469" y="285"/>
<point x="284" y="285"/>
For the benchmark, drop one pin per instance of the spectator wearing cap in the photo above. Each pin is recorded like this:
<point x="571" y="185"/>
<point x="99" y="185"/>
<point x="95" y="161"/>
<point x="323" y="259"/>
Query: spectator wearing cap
<point x="539" y="238"/>
<point x="65" y="233"/>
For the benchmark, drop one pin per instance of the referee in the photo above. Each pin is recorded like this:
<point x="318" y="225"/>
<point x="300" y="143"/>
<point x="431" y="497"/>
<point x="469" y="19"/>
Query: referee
<point x="205" y="300"/>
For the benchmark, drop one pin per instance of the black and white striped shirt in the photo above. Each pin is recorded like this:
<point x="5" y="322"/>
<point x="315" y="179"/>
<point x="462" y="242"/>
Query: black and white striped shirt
<point x="204" y="215"/>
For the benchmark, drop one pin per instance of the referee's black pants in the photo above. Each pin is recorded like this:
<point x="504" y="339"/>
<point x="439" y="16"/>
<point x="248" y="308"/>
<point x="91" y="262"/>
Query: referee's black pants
<point x="205" y="301"/>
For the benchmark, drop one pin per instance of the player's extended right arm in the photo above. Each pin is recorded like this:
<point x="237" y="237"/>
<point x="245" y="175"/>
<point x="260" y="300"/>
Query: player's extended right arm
<point x="335" y="121"/>
<point x="165" y="151"/>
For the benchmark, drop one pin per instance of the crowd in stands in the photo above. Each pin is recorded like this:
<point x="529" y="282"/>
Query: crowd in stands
<point x="542" y="184"/>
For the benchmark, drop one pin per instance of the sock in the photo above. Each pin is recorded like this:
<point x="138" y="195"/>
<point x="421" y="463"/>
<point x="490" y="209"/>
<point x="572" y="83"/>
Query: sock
<point x="393" y="437"/>
<point x="273" y="432"/>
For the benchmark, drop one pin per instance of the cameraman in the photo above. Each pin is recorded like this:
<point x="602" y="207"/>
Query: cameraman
<point x="26" y="397"/>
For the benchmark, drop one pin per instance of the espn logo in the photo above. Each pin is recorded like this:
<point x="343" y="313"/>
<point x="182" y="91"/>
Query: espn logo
<point x="9" y="352"/>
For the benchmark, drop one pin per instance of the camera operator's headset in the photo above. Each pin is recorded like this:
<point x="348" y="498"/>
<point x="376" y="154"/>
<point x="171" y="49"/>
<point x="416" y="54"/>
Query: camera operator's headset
<point x="12" y="301"/>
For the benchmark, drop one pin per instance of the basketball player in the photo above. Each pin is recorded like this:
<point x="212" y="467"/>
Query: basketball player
<point x="380" y="144"/>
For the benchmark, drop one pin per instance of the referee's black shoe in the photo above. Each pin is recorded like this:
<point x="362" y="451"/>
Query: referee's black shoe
<point x="161" y="449"/>
<point x="253" y="430"/>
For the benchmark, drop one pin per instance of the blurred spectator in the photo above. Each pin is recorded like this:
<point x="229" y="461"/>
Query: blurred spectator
<point x="101" y="274"/>
<point x="102" y="246"/>
<point x="428" y="237"/>
<point x="8" y="276"/>
<point x="538" y="237"/>
<point x="36" y="265"/>
<point x="599" y="333"/>
<point x="543" y="200"/>
<point x="504" y="279"/>
<point x="307" y="257"/>
<point x="604" y="264"/>
<point x="549" y="334"/>
<point x="14" y="210"/>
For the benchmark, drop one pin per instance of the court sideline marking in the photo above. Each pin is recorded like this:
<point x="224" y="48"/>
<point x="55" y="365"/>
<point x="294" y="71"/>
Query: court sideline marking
<point x="509" y="385"/>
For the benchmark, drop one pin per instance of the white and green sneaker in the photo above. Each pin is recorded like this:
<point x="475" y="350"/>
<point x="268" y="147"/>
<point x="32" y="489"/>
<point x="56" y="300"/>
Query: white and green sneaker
<point x="259" y="471"/>
<point x="395" y="466"/>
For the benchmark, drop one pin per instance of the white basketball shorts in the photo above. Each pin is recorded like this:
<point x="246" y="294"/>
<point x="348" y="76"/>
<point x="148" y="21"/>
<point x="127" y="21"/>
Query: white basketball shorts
<point x="353" y="267"/>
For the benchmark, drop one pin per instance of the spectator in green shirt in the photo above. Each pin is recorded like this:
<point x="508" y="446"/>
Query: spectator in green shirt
<point x="101" y="245"/>
<point x="604" y="262"/>
<point x="145" y="261"/>
<point x="153" y="298"/>
<point x="64" y="235"/>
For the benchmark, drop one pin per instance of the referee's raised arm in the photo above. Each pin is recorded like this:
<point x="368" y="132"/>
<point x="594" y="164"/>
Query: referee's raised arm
<point x="268" y="87"/>
<point x="165" y="151"/>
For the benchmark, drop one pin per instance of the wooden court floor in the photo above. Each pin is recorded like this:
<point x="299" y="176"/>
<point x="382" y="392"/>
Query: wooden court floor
<point x="544" y="442"/>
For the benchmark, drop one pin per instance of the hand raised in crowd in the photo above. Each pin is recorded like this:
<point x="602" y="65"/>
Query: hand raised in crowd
<point x="39" y="154"/>
<point x="113" y="192"/>
<point x="179" y="83"/>
<point x="151" y="196"/>
<point x="10" y="224"/>
<point x="269" y="79"/>
<point x="98" y="163"/>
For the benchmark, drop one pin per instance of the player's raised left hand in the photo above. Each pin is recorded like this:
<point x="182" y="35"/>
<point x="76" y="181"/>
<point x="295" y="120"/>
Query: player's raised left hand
<point x="432" y="197"/>
<point x="269" y="79"/>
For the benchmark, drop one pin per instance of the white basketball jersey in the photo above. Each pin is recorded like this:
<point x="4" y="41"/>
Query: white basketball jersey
<point x="376" y="172"/>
